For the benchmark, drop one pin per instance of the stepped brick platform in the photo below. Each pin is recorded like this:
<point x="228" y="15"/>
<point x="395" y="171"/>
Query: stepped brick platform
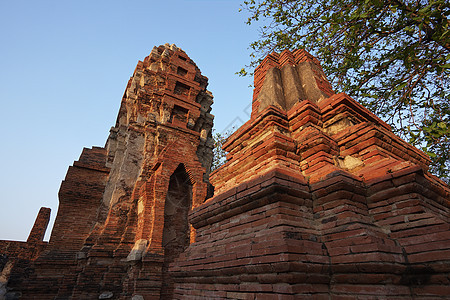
<point x="318" y="199"/>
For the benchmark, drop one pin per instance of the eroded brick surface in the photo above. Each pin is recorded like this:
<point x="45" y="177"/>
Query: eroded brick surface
<point x="318" y="199"/>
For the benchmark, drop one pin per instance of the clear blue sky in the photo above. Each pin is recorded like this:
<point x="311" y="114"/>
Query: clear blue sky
<point x="64" y="66"/>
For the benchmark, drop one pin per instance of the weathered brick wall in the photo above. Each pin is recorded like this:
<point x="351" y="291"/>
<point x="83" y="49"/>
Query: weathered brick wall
<point x="22" y="250"/>
<point x="35" y="243"/>
<point x="16" y="257"/>
<point x="80" y="197"/>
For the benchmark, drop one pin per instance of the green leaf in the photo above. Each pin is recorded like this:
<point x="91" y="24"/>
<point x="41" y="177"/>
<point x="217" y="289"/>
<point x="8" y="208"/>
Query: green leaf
<point x="399" y="87"/>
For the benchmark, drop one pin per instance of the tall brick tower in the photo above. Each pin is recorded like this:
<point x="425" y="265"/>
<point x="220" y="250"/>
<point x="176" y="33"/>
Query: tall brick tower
<point x="123" y="208"/>
<point x="318" y="199"/>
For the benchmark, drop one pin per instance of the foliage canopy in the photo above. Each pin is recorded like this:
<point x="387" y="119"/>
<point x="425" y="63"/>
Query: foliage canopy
<point x="392" y="56"/>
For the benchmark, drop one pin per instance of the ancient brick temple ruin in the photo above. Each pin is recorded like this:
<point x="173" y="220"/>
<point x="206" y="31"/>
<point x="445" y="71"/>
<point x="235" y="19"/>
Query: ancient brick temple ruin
<point x="318" y="199"/>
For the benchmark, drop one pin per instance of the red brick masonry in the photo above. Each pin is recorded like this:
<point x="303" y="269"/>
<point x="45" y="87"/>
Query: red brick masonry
<point x="318" y="199"/>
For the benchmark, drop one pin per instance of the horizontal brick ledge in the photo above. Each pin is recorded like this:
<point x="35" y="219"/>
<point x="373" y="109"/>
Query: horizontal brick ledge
<point x="236" y="200"/>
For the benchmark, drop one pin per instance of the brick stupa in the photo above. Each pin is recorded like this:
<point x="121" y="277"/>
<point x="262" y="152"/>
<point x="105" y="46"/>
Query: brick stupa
<point x="318" y="199"/>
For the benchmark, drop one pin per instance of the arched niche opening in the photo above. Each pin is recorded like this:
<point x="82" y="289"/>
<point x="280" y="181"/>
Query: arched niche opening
<point x="176" y="233"/>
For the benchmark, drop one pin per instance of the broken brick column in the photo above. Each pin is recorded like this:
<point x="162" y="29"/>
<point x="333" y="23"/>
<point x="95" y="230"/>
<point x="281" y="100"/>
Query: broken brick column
<point x="40" y="226"/>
